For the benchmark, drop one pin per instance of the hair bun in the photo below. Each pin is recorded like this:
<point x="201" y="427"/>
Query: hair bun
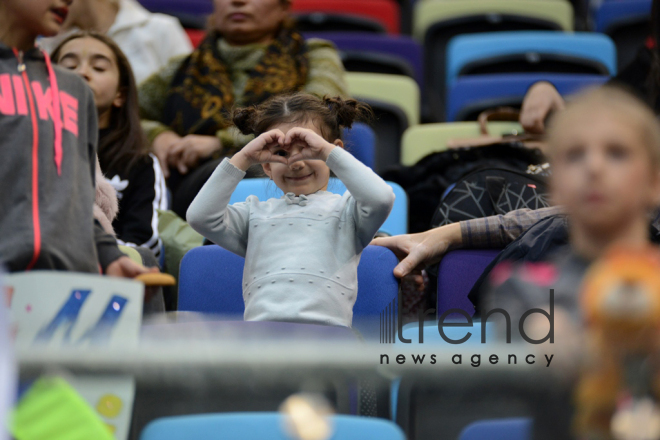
<point x="348" y="111"/>
<point x="244" y="119"/>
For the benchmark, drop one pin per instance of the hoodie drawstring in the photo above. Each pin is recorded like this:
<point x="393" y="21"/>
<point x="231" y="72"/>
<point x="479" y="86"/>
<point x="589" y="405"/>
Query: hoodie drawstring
<point x="57" y="117"/>
<point x="55" y="101"/>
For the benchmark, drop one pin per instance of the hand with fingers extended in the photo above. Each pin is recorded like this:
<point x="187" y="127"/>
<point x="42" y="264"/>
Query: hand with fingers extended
<point x="312" y="146"/>
<point x="188" y="151"/>
<point x="262" y="149"/>
<point x="416" y="251"/>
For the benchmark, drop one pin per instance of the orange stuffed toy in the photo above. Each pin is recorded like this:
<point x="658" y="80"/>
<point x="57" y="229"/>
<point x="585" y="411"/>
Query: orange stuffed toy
<point x="619" y="388"/>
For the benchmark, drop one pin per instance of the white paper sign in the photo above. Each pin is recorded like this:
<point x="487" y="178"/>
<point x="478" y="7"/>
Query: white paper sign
<point x="56" y="309"/>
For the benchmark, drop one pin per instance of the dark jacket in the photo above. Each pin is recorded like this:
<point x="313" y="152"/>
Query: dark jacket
<point x="635" y="77"/>
<point x="541" y="242"/>
<point x="46" y="185"/>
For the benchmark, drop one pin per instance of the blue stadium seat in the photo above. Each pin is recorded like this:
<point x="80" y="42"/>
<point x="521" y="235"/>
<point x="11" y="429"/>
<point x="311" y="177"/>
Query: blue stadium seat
<point x="457" y="273"/>
<point x="360" y="140"/>
<point x="627" y="23"/>
<point x="472" y="94"/>
<point x="498" y="429"/>
<point x="210" y="281"/>
<point x="262" y="426"/>
<point x="611" y="14"/>
<point x="518" y="52"/>
<point x="264" y="189"/>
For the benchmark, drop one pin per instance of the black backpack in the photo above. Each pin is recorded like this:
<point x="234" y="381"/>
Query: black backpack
<point x="427" y="180"/>
<point x="489" y="191"/>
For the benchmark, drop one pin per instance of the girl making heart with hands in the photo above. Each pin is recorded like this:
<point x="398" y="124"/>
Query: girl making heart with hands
<point x="301" y="250"/>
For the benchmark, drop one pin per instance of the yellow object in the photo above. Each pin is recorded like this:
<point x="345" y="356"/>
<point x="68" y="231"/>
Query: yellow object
<point x="156" y="279"/>
<point x="111" y="428"/>
<point x="109" y="406"/>
<point x="424" y="139"/>
<point x="427" y="13"/>
<point x="398" y="90"/>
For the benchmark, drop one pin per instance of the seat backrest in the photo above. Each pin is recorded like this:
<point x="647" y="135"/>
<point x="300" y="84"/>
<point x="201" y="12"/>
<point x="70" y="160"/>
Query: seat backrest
<point x="472" y="94"/>
<point x="581" y="50"/>
<point x="498" y="429"/>
<point x="612" y="14"/>
<point x="395" y="224"/>
<point x="427" y="14"/>
<point x="425" y="139"/>
<point x="457" y="273"/>
<point x="329" y="22"/>
<point x="398" y="90"/>
<point x="210" y="281"/>
<point x="436" y="22"/>
<point x="627" y="23"/>
<point x="196" y="7"/>
<point x="401" y="46"/>
<point x="395" y="100"/>
<point x="385" y="11"/>
<point x="262" y="426"/>
<point x="375" y="62"/>
<point x="360" y="141"/>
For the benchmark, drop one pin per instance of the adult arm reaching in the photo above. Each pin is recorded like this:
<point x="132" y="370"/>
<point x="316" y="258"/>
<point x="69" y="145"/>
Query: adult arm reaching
<point x="416" y="251"/>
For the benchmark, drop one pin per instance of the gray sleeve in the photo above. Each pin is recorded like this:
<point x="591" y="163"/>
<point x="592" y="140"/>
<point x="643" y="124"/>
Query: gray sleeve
<point x="211" y="215"/>
<point x="373" y="198"/>
<point x="499" y="230"/>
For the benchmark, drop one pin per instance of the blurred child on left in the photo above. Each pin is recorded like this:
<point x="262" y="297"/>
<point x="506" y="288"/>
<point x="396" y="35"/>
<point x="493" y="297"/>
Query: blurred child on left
<point x="47" y="153"/>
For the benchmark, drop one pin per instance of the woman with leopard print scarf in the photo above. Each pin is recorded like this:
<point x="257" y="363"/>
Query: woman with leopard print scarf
<point x="251" y="54"/>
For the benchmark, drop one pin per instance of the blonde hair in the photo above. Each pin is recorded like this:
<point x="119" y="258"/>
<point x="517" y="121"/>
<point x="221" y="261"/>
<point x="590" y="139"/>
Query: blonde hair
<point x="616" y="100"/>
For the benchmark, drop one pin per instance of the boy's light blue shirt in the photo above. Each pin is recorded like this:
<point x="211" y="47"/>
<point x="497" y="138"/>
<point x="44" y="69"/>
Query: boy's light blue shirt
<point x="301" y="253"/>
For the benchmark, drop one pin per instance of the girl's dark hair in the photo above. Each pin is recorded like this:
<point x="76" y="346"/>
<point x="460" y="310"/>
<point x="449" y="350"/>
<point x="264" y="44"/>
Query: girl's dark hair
<point x="125" y="144"/>
<point x="330" y="115"/>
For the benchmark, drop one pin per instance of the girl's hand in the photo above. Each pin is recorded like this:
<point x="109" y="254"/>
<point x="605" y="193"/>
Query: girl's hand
<point x="262" y="149"/>
<point x="188" y="151"/>
<point x="161" y="147"/>
<point x="541" y="99"/>
<point x="313" y="147"/>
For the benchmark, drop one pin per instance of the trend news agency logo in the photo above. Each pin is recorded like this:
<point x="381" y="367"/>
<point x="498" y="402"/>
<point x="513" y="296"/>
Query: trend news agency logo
<point x="391" y="329"/>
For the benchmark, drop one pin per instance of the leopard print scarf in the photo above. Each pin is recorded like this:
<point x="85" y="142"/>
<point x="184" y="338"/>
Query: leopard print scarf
<point x="201" y="96"/>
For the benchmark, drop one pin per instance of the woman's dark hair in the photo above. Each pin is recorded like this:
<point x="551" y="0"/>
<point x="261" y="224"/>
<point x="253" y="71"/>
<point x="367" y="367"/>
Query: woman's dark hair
<point x="124" y="145"/>
<point x="330" y="115"/>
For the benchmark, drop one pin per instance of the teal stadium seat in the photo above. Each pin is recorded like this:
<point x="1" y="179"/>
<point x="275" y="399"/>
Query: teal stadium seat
<point x="523" y="51"/>
<point x="262" y="426"/>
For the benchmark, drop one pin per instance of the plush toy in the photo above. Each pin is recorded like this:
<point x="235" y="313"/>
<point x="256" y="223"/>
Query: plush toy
<point x="619" y="389"/>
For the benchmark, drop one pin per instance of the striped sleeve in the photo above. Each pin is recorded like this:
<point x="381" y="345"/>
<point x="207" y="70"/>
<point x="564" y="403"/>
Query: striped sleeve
<point x="499" y="230"/>
<point x="144" y="195"/>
